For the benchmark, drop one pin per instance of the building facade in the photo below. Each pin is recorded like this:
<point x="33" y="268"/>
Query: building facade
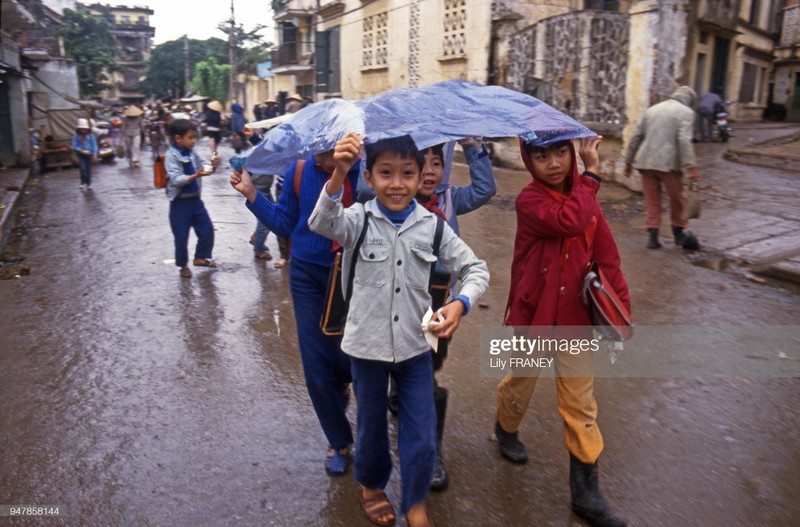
<point x="130" y="27"/>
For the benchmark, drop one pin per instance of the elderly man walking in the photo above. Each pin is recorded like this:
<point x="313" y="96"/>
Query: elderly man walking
<point x="660" y="149"/>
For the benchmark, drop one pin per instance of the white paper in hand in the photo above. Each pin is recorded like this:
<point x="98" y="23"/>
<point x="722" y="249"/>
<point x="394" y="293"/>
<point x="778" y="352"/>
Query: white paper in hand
<point x="427" y="325"/>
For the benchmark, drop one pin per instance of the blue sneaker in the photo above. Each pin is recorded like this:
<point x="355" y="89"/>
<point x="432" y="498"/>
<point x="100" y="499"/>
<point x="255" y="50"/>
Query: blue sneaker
<point x="336" y="463"/>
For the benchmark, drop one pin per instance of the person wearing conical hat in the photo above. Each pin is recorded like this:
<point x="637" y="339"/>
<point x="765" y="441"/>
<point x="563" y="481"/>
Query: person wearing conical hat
<point x="213" y="123"/>
<point x="294" y="103"/>
<point x="132" y="134"/>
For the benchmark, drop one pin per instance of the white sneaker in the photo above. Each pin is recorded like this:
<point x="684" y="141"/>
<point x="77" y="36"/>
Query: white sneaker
<point x="89" y="187"/>
<point x="81" y="186"/>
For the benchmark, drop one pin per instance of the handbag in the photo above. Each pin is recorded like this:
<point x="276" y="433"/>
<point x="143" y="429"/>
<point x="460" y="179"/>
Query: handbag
<point x="159" y="172"/>
<point x="691" y="205"/>
<point x="609" y="315"/>
<point x="337" y="302"/>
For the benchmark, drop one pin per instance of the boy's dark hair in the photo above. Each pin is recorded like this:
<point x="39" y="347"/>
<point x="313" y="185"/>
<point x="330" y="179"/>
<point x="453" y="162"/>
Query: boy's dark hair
<point x="531" y="148"/>
<point x="437" y="150"/>
<point x="402" y="146"/>
<point x="180" y="127"/>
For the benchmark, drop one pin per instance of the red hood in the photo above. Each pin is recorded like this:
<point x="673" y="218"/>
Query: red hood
<point x="570" y="177"/>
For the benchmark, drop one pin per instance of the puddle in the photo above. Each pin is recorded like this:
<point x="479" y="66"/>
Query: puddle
<point x="714" y="264"/>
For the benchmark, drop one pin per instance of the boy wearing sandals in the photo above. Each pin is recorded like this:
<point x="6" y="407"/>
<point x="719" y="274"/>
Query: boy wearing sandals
<point x="389" y="299"/>
<point x="186" y="210"/>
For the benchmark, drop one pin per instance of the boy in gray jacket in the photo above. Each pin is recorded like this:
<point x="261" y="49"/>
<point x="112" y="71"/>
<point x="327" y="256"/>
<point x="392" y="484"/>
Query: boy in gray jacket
<point x="389" y="299"/>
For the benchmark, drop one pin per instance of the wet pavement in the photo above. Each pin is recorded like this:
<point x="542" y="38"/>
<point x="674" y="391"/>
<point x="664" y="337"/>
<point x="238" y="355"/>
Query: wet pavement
<point x="130" y="396"/>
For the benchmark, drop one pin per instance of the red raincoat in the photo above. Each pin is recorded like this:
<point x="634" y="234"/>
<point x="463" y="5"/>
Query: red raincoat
<point x="557" y="237"/>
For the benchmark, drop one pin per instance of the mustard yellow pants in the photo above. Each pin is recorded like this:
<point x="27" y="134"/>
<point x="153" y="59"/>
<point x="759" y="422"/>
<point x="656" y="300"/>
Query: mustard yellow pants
<point x="576" y="403"/>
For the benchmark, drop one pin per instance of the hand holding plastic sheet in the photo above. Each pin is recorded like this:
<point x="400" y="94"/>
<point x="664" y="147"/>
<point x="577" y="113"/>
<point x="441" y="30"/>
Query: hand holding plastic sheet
<point x="435" y="114"/>
<point x="427" y="327"/>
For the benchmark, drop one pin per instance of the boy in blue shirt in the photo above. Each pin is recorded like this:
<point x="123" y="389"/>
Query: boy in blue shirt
<point x="389" y="299"/>
<point x="186" y="209"/>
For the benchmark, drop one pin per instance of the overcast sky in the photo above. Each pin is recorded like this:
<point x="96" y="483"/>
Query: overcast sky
<point x="199" y="18"/>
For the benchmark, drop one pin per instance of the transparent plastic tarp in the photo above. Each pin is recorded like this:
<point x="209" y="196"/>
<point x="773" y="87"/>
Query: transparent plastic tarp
<point x="431" y="115"/>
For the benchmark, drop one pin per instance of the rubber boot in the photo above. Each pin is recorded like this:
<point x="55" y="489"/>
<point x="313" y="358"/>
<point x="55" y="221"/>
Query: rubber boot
<point x="510" y="445"/>
<point x="440" y="479"/>
<point x="680" y="236"/>
<point x="653" y="242"/>
<point x="587" y="502"/>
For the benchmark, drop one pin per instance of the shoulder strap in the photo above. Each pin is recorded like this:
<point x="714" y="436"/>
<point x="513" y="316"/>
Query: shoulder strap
<point x="298" y="175"/>
<point x="353" y="259"/>
<point x="437" y="243"/>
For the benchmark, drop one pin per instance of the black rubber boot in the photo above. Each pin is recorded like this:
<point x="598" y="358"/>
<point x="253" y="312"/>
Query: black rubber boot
<point x="510" y="446"/>
<point x="680" y="236"/>
<point x="440" y="479"/>
<point x="653" y="242"/>
<point x="587" y="502"/>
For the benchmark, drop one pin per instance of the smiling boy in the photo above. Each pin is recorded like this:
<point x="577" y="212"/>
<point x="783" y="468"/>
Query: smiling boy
<point x="389" y="298"/>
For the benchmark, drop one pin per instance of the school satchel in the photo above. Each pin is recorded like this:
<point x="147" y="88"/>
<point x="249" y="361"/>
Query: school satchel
<point x="159" y="173"/>
<point x="609" y="315"/>
<point x="337" y="303"/>
<point x="439" y="289"/>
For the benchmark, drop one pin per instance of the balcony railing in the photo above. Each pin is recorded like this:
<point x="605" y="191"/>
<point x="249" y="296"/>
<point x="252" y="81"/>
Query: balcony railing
<point x="290" y="53"/>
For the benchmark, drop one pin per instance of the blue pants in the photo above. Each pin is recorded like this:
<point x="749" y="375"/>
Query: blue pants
<point x="261" y="232"/>
<point x="185" y="214"/>
<point x="416" y="425"/>
<point x="85" y="165"/>
<point x="325" y="366"/>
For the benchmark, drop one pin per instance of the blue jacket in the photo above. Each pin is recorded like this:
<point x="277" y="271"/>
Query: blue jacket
<point x="288" y="218"/>
<point x="89" y="143"/>
<point x="237" y="118"/>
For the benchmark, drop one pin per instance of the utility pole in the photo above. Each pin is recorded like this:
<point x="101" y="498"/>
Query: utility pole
<point x="185" y="65"/>
<point x="232" y="58"/>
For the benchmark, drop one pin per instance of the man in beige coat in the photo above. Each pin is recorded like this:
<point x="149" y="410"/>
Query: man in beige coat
<point x="660" y="149"/>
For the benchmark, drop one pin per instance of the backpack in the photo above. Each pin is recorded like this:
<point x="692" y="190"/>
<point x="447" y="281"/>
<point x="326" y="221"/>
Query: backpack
<point x="159" y="173"/>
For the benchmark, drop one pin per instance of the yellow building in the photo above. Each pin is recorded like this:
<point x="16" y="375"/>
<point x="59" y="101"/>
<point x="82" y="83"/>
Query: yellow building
<point x="130" y="27"/>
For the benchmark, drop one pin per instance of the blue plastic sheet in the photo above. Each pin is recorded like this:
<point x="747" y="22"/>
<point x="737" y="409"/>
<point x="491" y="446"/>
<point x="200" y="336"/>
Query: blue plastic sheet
<point x="431" y="115"/>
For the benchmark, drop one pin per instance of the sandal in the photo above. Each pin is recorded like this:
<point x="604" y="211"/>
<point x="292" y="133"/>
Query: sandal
<point x="186" y="272"/>
<point x="264" y="255"/>
<point x="375" y="506"/>
<point x="281" y="263"/>
<point x="204" y="262"/>
<point x="336" y="463"/>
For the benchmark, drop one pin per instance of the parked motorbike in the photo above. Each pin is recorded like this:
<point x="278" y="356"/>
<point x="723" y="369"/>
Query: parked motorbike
<point x="722" y="129"/>
<point x="106" y="151"/>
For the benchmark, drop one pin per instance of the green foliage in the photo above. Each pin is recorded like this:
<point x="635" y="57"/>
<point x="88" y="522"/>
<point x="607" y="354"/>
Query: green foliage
<point x="88" y="41"/>
<point x="251" y="49"/>
<point x="165" y="73"/>
<point x="211" y="79"/>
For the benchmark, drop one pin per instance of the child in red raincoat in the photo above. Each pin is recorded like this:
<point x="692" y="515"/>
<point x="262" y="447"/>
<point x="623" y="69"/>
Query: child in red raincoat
<point x="560" y="230"/>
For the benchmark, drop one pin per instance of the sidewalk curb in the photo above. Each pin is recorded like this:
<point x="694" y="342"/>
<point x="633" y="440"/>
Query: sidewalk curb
<point x="12" y="185"/>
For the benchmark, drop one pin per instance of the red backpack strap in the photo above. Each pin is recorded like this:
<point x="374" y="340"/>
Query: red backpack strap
<point x="298" y="175"/>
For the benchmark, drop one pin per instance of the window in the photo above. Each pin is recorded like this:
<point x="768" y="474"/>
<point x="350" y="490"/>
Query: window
<point x="454" y="42"/>
<point x="747" y="91"/>
<point x="602" y="5"/>
<point x="375" y="35"/>
<point x="125" y="20"/>
<point x="755" y="7"/>
<point x="327" y="61"/>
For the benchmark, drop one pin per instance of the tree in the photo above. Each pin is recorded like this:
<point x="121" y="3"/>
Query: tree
<point x="211" y="79"/>
<point x="251" y="48"/>
<point x="88" y="41"/>
<point x="165" y="72"/>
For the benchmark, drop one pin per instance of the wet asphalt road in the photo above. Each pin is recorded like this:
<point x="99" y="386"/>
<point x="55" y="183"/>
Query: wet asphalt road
<point x="132" y="397"/>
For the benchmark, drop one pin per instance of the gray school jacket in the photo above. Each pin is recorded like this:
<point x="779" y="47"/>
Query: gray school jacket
<point x="390" y="287"/>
